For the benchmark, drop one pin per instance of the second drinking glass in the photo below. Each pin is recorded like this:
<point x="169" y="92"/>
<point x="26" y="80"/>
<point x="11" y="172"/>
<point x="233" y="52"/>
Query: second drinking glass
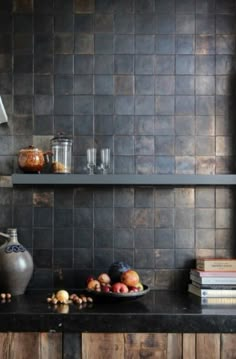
<point x="105" y="160"/>
<point x="91" y="160"/>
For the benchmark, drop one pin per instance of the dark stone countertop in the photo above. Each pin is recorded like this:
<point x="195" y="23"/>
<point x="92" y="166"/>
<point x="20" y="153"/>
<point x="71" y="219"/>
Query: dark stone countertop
<point x="157" y="311"/>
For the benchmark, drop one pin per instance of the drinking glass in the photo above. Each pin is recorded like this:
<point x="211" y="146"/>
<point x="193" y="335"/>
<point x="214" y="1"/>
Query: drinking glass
<point x="91" y="160"/>
<point x="105" y="160"/>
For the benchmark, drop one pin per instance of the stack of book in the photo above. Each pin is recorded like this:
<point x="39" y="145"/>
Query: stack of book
<point x="214" y="280"/>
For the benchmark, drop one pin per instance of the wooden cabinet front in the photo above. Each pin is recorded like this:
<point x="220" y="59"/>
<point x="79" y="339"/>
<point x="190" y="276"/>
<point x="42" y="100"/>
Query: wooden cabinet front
<point x="30" y="345"/>
<point x="117" y="346"/>
<point x="158" y="345"/>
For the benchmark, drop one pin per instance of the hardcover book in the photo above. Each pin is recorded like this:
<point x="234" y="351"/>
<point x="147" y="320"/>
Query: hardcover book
<point x="213" y="286"/>
<point x="224" y="301"/>
<point x="213" y="280"/>
<point x="212" y="274"/>
<point x="216" y="264"/>
<point x="211" y="292"/>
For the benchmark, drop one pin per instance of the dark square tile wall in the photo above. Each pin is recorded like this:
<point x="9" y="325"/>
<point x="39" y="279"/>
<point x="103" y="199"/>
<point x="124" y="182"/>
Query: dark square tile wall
<point x="154" y="81"/>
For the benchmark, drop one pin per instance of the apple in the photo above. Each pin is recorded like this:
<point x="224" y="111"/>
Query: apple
<point x="133" y="289"/>
<point x="90" y="277"/>
<point x="119" y="288"/>
<point x="94" y="284"/>
<point x="139" y="286"/>
<point x="130" y="278"/>
<point x="105" y="288"/>
<point x="104" y="278"/>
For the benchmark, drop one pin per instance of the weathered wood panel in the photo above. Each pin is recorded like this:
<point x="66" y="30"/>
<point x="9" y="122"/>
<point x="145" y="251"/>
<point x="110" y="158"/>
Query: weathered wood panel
<point x="208" y="346"/>
<point x="117" y="346"/>
<point x="149" y="345"/>
<point x="228" y="346"/>
<point x="50" y="346"/>
<point x="4" y="345"/>
<point x="174" y="346"/>
<point x="132" y="346"/>
<point x="20" y="345"/>
<point x="102" y="346"/>
<point x="189" y="346"/>
<point x="26" y="345"/>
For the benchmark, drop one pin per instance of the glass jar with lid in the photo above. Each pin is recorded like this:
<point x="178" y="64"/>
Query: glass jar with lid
<point x="61" y="147"/>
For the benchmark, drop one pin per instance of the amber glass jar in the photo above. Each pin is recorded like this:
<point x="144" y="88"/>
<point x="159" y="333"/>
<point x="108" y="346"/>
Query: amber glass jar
<point x="31" y="159"/>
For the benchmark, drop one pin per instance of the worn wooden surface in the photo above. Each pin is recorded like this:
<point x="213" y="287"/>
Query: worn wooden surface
<point x="28" y="345"/>
<point x="145" y="345"/>
<point x="228" y="346"/>
<point x="174" y="346"/>
<point x="102" y="346"/>
<point x="159" y="346"/>
<point x="189" y="347"/>
<point x="132" y="346"/>
<point x="208" y="346"/>
<point x="117" y="346"/>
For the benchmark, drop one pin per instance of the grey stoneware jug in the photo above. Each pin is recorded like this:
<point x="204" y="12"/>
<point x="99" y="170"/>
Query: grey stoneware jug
<point x="16" y="264"/>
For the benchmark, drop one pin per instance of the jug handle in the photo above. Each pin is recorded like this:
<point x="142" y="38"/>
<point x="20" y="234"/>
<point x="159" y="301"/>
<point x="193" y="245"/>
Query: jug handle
<point x="4" y="235"/>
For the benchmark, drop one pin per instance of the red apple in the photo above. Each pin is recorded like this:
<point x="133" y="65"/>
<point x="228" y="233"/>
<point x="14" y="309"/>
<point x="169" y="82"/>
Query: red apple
<point x="105" y="288"/>
<point x="119" y="288"/>
<point x="104" y="278"/>
<point x="133" y="289"/>
<point x="130" y="278"/>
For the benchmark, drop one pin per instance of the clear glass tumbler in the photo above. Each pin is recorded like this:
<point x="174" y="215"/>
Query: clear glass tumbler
<point x="105" y="160"/>
<point x="91" y="160"/>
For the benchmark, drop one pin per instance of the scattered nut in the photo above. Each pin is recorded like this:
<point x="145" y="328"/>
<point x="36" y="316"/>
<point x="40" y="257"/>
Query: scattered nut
<point x="78" y="300"/>
<point x="5" y="297"/>
<point x="84" y="299"/>
<point x="54" y="301"/>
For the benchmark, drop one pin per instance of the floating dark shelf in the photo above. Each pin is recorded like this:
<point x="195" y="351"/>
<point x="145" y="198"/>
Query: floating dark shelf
<point x="79" y="179"/>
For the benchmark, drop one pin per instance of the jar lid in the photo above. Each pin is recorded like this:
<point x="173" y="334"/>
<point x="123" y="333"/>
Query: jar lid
<point x="60" y="137"/>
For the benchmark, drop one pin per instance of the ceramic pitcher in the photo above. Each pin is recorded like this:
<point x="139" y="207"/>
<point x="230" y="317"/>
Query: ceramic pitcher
<point x="16" y="264"/>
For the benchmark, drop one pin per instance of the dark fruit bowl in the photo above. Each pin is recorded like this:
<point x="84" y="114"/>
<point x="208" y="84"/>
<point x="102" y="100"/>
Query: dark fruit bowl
<point x="117" y="296"/>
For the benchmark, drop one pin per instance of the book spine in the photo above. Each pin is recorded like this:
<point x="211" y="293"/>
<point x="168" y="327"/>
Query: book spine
<point x="217" y="300"/>
<point x="213" y="280"/>
<point x="213" y="286"/>
<point x="214" y="265"/>
<point x="212" y="292"/>
<point x="211" y="274"/>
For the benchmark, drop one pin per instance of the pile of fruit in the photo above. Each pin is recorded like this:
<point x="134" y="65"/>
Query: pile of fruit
<point x="121" y="278"/>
